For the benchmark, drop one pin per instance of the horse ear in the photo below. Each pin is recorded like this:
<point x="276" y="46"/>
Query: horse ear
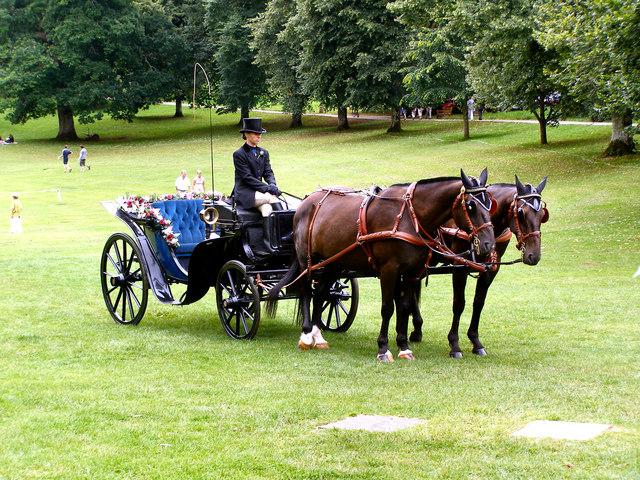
<point x="520" y="187"/>
<point x="465" y="180"/>
<point x="540" y="187"/>
<point x="545" y="217"/>
<point x="483" y="177"/>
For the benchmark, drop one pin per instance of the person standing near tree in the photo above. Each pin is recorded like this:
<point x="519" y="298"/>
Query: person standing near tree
<point x="65" y="158"/>
<point x="252" y="166"/>
<point x="470" y="104"/>
<point x="198" y="182"/>
<point x="83" y="158"/>
<point x="16" y="215"/>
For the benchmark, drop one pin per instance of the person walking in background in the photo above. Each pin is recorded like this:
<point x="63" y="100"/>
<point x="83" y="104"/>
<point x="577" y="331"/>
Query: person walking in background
<point x="183" y="185"/>
<point x="83" y="158"/>
<point x="470" y="104"/>
<point x="65" y="158"/>
<point x="16" y="215"/>
<point x="198" y="182"/>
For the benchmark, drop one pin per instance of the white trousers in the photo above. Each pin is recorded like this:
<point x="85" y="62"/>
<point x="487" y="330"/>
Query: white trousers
<point x="263" y="202"/>
<point x="16" y="225"/>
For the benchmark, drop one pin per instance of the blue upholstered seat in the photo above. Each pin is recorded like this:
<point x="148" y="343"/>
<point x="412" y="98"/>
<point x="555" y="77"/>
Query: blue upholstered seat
<point x="185" y="219"/>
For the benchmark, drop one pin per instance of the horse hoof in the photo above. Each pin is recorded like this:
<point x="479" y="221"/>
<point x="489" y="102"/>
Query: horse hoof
<point x="481" y="352"/>
<point x="406" y="355"/>
<point x="321" y="346"/>
<point x="385" y="357"/>
<point x="455" y="354"/>
<point x="415" y="338"/>
<point x="304" y="346"/>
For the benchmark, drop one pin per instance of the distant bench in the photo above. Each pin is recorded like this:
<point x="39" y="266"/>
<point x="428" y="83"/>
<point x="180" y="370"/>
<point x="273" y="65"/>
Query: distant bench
<point x="445" y="112"/>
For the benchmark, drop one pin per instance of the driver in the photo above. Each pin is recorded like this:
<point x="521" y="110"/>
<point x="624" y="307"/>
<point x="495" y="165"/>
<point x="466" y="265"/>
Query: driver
<point x="255" y="183"/>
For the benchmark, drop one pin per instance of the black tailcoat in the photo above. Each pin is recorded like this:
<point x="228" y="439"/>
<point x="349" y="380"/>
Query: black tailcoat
<point x="250" y="171"/>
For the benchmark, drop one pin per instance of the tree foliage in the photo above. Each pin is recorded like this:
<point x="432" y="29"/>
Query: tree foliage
<point x="241" y="80"/>
<point x="278" y="51"/>
<point x="74" y="58"/>
<point x="600" y="59"/>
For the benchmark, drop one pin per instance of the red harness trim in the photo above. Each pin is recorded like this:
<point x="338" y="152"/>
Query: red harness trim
<point x="363" y="238"/>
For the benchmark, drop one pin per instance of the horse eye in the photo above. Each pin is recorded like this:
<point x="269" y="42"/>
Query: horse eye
<point x="471" y="206"/>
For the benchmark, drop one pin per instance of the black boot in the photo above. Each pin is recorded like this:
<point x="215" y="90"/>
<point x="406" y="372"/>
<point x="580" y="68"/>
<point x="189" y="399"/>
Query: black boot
<point x="266" y="235"/>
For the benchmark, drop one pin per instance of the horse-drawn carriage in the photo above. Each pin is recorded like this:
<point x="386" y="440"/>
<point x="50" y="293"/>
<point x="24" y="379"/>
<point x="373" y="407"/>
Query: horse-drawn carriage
<point x="334" y="236"/>
<point x="204" y="244"/>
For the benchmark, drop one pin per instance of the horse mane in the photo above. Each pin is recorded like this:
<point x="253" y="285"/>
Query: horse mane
<point x="425" y="181"/>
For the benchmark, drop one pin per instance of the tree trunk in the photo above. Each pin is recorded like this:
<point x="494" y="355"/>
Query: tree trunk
<point x="395" y="126"/>
<point x="343" y="122"/>
<point x="296" y="120"/>
<point x="178" y="113"/>
<point x="621" y="142"/>
<point x="66" y="127"/>
<point x="244" y="113"/>
<point x="465" y="120"/>
<point x="542" y="121"/>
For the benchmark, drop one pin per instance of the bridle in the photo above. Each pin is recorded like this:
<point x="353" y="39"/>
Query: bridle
<point x="473" y="230"/>
<point x="534" y="205"/>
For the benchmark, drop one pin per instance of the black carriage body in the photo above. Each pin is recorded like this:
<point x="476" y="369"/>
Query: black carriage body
<point x="131" y="266"/>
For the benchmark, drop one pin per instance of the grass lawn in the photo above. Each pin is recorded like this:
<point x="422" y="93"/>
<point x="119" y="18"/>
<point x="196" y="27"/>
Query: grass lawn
<point x="174" y="397"/>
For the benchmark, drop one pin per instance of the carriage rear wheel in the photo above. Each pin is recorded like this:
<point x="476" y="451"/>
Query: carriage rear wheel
<point x="124" y="284"/>
<point x="238" y="301"/>
<point x="340" y="308"/>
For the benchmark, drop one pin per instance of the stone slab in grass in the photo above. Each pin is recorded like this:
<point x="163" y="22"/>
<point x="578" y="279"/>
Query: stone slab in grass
<point x="374" y="423"/>
<point x="561" y="430"/>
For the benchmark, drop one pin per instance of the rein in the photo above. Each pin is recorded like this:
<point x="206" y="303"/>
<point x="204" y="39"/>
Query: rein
<point x="363" y="238"/>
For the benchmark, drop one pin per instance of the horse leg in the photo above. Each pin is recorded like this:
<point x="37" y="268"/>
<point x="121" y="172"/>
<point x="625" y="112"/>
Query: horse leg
<point x="405" y="304"/>
<point x="416" y="335"/>
<point x="459" y="281"/>
<point x="482" y="287"/>
<point x="306" y="338"/>
<point x="320" y="294"/>
<point x="387" y="287"/>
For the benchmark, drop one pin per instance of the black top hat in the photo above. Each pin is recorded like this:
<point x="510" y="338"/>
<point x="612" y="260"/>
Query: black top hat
<point x="253" y="125"/>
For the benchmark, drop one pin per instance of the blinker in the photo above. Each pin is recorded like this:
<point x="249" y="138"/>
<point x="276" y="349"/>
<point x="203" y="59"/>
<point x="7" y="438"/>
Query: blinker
<point x="545" y="217"/>
<point x="494" y="206"/>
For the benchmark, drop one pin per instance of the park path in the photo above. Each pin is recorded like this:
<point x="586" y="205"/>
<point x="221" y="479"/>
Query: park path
<point x="388" y="117"/>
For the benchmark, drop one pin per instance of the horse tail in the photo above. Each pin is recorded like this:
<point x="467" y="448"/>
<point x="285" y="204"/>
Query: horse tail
<point x="271" y="307"/>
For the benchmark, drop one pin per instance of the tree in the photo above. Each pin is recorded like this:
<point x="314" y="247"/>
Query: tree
<point x="65" y="58"/>
<point x="507" y="65"/>
<point x="351" y="54"/>
<point x="437" y="70"/>
<point x="600" y="59"/>
<point x="278" y="52"/>
<point x="191" y="46"/>
<point x="241" y="81"/>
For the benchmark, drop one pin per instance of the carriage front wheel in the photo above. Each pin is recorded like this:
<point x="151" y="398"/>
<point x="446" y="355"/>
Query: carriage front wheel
<point x="124" y="284"/>
<point x="238" y="301"/>
<point x="340" y="308"/>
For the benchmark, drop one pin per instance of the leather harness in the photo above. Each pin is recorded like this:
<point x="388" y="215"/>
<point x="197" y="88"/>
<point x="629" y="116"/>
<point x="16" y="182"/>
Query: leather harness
<point x="364" y="238"/>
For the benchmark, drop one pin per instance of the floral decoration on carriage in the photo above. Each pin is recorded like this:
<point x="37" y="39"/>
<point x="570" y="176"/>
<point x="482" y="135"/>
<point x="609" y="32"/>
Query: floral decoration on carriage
<point x="139" y="206"/>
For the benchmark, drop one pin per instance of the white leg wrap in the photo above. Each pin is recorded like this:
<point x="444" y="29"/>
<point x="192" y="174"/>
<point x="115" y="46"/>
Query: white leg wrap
<point x="306" y="341"/>
<point x="317" y="335"/>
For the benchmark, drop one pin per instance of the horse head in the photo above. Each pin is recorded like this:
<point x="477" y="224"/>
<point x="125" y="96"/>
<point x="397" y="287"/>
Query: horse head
<point x="472" y="212"/>
<point x="526" y="214"/>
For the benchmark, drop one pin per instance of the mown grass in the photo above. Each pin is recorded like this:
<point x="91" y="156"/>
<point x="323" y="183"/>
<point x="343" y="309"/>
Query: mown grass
<point x="81" y="397"/>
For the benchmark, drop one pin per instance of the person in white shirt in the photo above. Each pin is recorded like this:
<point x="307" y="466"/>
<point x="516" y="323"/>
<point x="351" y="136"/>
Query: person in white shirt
<point x="183" y="185"/>
<point x="198" y="183"/>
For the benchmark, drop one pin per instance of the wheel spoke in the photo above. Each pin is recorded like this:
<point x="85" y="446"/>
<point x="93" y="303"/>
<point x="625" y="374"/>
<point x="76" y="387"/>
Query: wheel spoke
<point x="131" y="294"/>
<point x="115" y="305"/>
<point x="130" y="304"/>
<point x="113" y="262"/>
<point x="117" y="250"/>
<point x="338" y="321"/>
<point x="232" y="284"/>
<point x="340" y="303"/>
<point x="244" y="322"/>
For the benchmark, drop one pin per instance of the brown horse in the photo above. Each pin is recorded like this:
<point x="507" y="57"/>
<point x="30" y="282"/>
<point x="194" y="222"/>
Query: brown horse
<point x="520" y="211"/>
<point x="389" y="235"/>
